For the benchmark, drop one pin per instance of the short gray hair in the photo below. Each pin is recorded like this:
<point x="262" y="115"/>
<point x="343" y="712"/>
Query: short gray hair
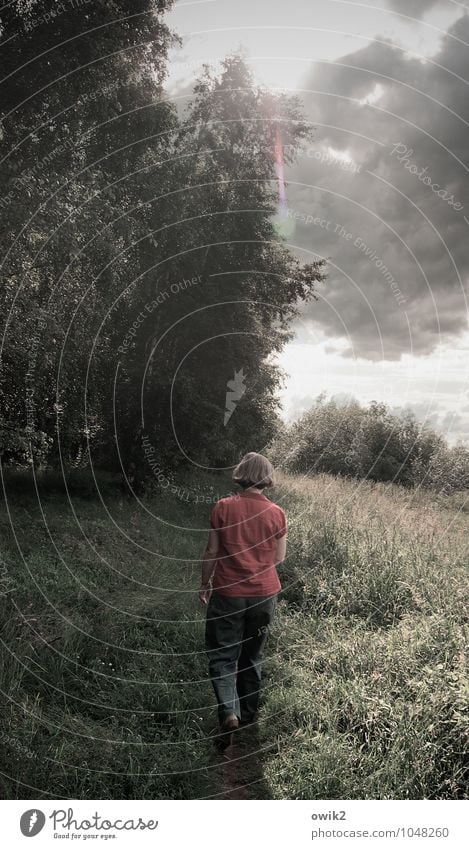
<point x="254" y="470"/>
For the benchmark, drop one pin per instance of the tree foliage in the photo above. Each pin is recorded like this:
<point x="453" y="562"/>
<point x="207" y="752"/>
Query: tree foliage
<point x="372" y="443"/>
<point x="141" y="270"/>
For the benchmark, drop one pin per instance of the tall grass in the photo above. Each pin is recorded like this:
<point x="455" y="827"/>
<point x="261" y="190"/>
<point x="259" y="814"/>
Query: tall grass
<point x="104" y="674"/>
<point x="102" y="637"/>
<point x="369" y="663"/>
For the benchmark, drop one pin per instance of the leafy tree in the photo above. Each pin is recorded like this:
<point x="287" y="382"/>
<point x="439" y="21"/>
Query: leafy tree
<point x="447" y="470"/>
<point x="142" y="267"/>
<point x="80" y="113"/>
<point x="240" y="313"/>
<point x="370" y="442"/>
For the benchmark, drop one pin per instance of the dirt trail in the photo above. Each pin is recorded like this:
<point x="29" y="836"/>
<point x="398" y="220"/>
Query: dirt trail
<point x="238" y="772"/>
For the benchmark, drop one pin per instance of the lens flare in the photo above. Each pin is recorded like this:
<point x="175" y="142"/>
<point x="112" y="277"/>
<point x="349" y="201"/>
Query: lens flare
<point x="283" y="224"/>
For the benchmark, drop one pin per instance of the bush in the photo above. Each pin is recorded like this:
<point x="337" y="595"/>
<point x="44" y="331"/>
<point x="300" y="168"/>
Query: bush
<point x="370" y="443"/>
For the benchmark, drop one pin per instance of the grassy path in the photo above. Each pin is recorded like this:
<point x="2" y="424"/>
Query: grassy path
<point x="105" y="680"/>
<point x="103" y="655"/>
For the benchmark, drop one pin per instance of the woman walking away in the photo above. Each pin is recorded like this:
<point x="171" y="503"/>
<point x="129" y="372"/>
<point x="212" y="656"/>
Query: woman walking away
<point x="240" y="583"/>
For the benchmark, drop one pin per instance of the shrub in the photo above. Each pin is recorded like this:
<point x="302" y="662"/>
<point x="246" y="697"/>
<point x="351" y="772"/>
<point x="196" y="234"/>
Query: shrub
<point x="370" y="443"/>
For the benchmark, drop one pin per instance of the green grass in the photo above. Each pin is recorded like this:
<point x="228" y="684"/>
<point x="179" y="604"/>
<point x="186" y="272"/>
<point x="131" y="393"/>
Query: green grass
<point x="104" y="674"/>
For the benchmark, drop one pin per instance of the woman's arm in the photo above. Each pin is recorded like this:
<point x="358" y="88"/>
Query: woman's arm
<point x="281" y="550"/>
<point x="208" y="566"/>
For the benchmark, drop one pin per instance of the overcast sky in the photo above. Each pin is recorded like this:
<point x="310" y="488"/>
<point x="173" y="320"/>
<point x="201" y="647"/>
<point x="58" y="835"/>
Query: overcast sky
<point x="382" y="192"/>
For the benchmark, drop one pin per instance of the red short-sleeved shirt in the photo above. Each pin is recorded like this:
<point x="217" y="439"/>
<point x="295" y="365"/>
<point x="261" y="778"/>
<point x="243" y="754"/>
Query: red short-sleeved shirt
<point x="248" y="526"/>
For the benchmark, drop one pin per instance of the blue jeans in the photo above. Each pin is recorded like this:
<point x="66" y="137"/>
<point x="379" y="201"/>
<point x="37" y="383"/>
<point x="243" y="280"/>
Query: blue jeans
<point x="236" y="630"/>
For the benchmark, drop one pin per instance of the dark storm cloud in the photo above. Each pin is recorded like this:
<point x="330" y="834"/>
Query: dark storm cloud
<point x="414" y="8"/>
<point x="395" y="220"/>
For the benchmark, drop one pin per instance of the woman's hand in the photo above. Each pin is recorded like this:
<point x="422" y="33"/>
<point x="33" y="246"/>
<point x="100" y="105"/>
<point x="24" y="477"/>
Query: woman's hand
<point x="204" y="593"/>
